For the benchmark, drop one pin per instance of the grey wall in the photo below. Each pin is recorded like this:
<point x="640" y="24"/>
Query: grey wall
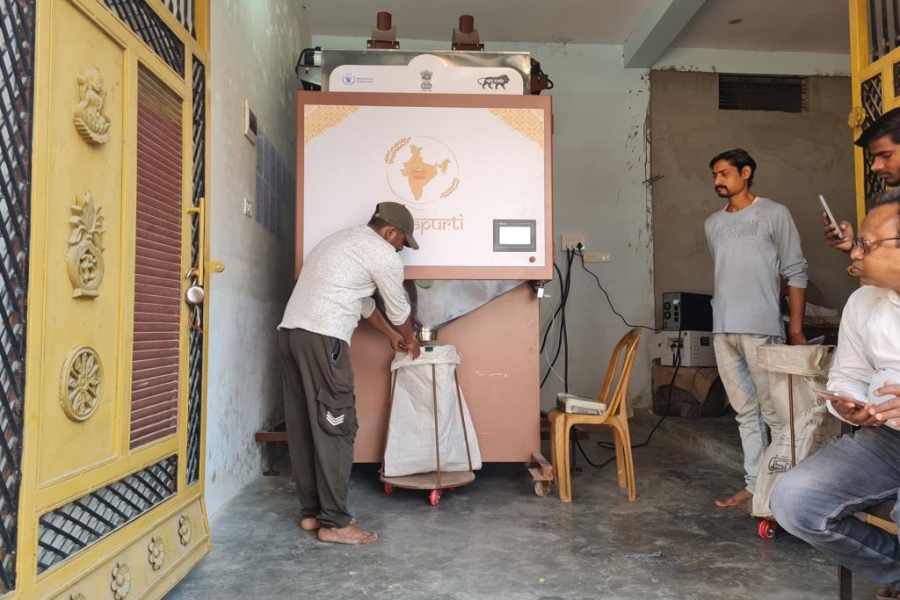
<point x="799" y="156"/>
<point x="254" y="48"/>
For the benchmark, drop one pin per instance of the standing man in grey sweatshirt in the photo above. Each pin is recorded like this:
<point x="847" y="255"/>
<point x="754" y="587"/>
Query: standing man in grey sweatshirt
<point x="754" y="244"/>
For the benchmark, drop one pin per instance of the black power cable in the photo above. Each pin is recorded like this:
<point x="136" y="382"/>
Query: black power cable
<point x="608" y="301"/>
<point x="677" y="363"/>
<point x="565" y="285"/>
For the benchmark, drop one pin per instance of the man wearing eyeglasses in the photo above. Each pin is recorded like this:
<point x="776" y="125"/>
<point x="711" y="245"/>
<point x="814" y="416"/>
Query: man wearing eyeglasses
<point x="817" y="499"/>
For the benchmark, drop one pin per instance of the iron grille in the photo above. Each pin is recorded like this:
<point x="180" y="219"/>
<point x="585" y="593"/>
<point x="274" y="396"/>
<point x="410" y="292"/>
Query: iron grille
<point x="17" y="25"/>
<point x="148" y="26"/>
<point x="71" y="528"/>
<point x="763" y="92"/>
<point x="884" y="27"/>
<point x="184" y="12"/>
<point x="896" y="79"/>
<point x="872" y="104"/>
<point x="195" y="360"/>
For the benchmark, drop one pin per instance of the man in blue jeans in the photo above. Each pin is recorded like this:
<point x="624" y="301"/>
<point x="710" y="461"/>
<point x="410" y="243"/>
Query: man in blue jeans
<point x="817" y="499"/>
<point x="754" y="244"/>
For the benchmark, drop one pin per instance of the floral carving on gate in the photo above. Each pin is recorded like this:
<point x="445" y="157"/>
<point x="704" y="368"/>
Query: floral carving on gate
<point x="84" y="259"/>
<point x="121" y="581"/>
<point x="184" y="530"/>
<point x="81" y="384"/>
<point x="157" y="549"/>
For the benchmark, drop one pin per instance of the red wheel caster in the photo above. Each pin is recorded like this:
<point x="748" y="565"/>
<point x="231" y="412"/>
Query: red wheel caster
<point x="388" y="488"/>
<point x="767" y="529"/>
<point x="434" y="497"/>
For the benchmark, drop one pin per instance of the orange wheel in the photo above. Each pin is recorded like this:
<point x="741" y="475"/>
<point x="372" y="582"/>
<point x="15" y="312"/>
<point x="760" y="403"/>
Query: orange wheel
<point x="434" y="497"/>
<point x="388" y="488"/>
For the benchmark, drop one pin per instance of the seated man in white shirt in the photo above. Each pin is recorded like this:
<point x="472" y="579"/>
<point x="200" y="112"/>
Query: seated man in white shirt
<point x="816" y="500"/>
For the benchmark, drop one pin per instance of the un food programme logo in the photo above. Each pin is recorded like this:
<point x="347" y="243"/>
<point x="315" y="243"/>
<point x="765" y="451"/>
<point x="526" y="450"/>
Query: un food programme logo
<point x="421" y="170"/>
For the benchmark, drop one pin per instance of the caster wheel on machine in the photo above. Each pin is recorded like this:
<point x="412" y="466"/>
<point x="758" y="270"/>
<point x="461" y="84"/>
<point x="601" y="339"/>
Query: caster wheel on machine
<point x="434" y="497"/>
<point x="542" y="488"/>
<point x="767" y="529"/>
<point x="388" y="488"/>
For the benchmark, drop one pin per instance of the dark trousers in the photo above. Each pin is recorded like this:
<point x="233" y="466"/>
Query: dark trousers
<point x="320" y="414"/>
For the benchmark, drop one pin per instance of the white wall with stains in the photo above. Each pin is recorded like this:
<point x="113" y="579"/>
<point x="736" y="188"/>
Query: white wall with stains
<point x="754" y="63"/>
<point x="255" y="46"/>
<point x="600" y="161"/>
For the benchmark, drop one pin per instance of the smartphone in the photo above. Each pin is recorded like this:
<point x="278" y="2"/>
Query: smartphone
<point x="831" y="217"/>
<point x="836" y="398"/>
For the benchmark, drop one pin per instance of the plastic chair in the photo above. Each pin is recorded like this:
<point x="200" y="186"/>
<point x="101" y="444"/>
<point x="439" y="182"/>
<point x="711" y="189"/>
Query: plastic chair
<point x="615" y="416"/>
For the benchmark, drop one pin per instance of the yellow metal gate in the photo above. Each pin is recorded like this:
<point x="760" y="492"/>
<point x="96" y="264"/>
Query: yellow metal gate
<point x="875" y="70"/>
<point x="103" y="152"/>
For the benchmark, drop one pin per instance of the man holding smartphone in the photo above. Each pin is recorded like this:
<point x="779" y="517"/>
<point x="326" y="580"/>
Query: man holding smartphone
<point x="882" y="140"/>
<point x="817" y="499"/>
<point x="755" y="245"/>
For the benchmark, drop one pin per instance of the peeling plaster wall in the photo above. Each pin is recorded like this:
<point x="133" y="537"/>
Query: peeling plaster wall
<point x="799" y="156"/>
<point x="254" y="47"/>
<point x="599" y="162"/>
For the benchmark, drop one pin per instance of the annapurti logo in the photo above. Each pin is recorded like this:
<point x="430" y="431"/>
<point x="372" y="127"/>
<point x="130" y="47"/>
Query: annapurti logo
<point x="493" y="83"/>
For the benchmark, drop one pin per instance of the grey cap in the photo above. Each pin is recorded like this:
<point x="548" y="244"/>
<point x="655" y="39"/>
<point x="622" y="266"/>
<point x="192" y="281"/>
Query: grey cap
<point x="394" y="213"/>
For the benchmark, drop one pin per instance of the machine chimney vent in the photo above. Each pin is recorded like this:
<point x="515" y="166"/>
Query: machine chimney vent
<point x="763" y="92"/>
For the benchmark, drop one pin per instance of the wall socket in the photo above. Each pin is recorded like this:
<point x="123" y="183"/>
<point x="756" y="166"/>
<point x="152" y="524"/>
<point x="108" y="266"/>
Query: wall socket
<point x="570" y="241"/>
<point x="248" y="208"/>
<point x="597" y="257"/>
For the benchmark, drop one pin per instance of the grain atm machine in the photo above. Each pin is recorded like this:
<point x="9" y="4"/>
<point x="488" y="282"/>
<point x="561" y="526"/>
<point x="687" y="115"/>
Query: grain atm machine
<point x="455" y="137"/>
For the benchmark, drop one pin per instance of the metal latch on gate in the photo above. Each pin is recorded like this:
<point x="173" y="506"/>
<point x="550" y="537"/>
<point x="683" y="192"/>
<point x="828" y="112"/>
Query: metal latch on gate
<point x="195" y="294"/>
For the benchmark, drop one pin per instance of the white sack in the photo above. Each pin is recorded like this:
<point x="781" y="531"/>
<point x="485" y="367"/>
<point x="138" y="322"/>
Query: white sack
<point x="411" y="448"/>
<point x="807" y="368"/>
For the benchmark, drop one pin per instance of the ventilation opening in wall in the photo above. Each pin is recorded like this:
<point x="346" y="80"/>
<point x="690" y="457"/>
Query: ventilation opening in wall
<point x="763" y="92"/>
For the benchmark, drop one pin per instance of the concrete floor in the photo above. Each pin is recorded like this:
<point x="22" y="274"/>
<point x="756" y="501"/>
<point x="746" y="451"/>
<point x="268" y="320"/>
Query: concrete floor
<point x="496" y="540"/>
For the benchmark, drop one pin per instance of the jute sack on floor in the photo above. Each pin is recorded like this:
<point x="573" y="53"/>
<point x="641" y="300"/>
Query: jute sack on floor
<point x="411" y="445"/>
<point x="800" y="369"/>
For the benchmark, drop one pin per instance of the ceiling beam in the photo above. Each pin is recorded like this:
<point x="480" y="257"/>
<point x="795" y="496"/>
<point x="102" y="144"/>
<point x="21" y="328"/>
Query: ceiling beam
<point x="658" y="28"/>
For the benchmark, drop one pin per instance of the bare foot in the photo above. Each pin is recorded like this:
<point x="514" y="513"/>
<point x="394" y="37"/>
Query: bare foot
<point x="312" y="524"/>
<point x="351" y="534"/>
<point x="886" y="592"/>
<point x="734" y="500"/>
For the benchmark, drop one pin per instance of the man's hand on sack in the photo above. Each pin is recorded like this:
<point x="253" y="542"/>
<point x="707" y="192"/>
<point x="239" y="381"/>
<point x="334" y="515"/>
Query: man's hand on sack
<point x="400" y="345"/>
<point x="397" y="342"/>
<point x="796" y="338"/>
<point x="411" y="345"/>
<point x="889" y="410"/>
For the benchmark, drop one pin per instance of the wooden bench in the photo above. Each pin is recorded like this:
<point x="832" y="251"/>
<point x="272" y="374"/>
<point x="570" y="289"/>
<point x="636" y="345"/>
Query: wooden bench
<point x="276" y="435"/>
